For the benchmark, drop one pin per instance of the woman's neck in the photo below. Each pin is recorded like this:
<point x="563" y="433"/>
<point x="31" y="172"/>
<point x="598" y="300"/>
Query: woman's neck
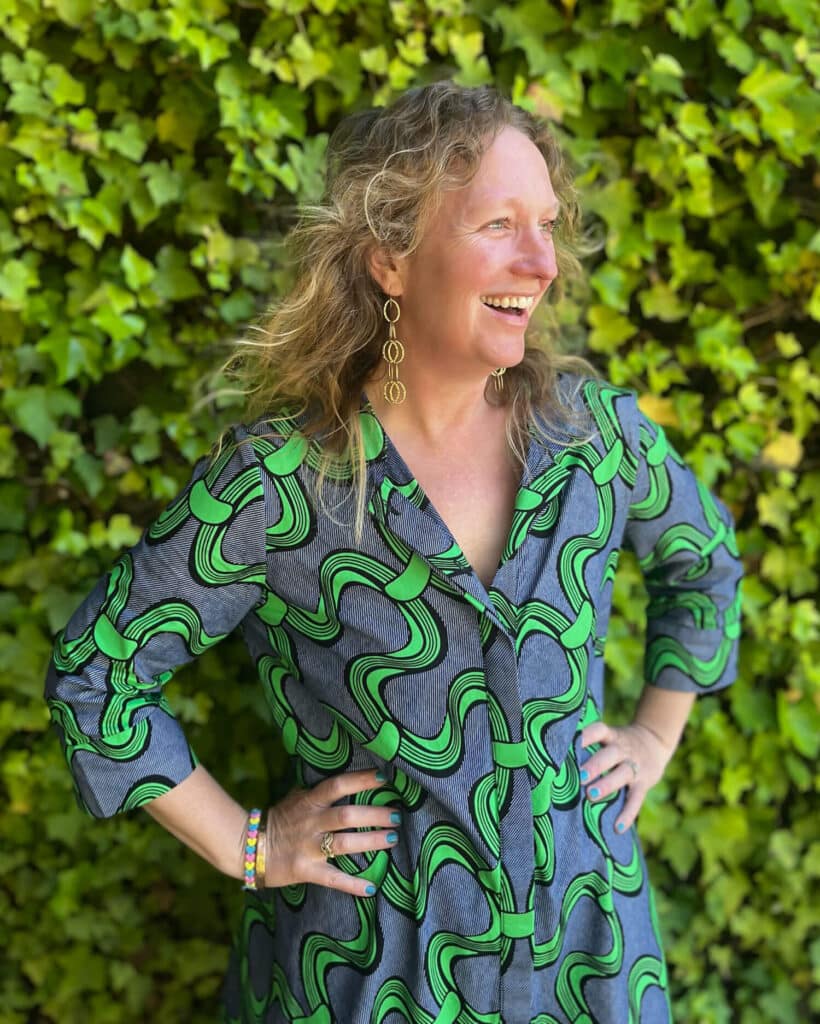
<point x="435" y="411"/>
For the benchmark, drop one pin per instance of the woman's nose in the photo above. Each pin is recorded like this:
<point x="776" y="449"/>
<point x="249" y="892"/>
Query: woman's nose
<point x="537" y="256"/>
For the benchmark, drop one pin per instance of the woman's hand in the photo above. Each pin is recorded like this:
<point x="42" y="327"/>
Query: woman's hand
<point x="632" y="756"/>
<point x="298" y="824"/>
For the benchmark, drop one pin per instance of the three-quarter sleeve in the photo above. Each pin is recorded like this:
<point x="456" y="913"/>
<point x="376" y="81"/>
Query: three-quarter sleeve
<point x="192" y="578"/>
<point x="684" y="539"/>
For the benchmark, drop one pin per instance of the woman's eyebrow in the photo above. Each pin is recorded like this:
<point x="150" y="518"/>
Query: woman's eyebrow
<point x="551" y="210"/>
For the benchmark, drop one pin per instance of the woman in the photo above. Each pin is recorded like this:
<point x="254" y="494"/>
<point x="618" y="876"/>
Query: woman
<point x="418" y="533"/>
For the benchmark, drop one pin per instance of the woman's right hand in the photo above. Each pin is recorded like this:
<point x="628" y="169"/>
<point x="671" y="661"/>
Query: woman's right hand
<point x="298" y="823"/>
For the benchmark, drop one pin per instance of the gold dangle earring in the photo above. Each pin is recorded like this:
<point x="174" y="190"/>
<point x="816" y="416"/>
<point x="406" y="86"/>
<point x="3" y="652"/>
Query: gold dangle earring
<point x="393" y="354"/>
<point x="498" y="376"/>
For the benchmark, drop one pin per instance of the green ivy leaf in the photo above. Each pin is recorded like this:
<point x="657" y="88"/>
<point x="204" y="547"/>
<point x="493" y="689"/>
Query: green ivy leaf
<point x="75" y="354"/>
<point x="164" y="182"/>
<point x="74" y="12"/>
<point x="174" y="280"/>
<point x="37" y="410"/>
<point x="614" y="285"/>
<point x="13" y="500"/>
<point x="767" y="86"/>
<point x="662" y="303"/>
<point x="17" y="278"/>
<point x="524" y="25"/>
<point x="137" y="270"/>
<point x="130" y="137"/>
<point x="375" y="59"/>
<point x="799" y="722"/>
<point x="61" y="87"/>
<point x="609" y="329"/>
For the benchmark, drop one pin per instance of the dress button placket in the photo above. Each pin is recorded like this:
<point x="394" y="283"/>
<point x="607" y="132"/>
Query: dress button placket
<point x="517" y="849"/>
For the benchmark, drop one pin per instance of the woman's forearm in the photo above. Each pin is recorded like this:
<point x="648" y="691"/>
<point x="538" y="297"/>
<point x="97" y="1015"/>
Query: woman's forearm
<point x="664" y="713"/>
<point x="202" y="815"/>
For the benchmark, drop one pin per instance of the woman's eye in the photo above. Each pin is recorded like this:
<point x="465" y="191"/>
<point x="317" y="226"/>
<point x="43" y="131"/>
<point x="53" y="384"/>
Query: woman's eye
<point x="549" y="226"/>
<point x="500" y="223"/>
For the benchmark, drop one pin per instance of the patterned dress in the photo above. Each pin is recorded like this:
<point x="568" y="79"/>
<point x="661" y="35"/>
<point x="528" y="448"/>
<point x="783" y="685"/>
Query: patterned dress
<point x="509" y="897"/>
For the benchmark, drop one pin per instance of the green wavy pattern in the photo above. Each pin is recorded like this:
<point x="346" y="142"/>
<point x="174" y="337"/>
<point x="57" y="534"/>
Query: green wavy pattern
<point x="408" y="589"/>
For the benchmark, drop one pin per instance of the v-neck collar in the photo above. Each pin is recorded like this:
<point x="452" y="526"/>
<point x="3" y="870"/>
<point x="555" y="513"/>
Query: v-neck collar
<point x="400" y="506"/>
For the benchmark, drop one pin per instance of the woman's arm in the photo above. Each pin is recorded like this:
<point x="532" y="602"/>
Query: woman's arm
<point x="202" y="815"/>
<point x="683" y="538"/>
<point x="197" y="572"/>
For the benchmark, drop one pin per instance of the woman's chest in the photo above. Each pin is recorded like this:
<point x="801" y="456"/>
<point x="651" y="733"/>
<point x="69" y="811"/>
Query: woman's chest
<point x="474" y="496"/>
<point x="472" y="489"/>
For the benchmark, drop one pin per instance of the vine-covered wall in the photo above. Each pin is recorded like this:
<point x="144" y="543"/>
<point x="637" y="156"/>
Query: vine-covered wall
<point x="151" y="153"/>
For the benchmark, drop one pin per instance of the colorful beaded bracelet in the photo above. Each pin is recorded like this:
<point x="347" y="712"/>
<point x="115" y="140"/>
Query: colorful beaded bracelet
<point x="251" y="844"/>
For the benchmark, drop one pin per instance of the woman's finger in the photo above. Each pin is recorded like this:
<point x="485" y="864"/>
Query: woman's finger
<point x="603" y="760"/>
<point x="333" y="878"/>
<point x="630" y="809"/>
<point x="350" y="816"/>
<point x="619" y="777"/>
<point x="328" y="791"/>
<point x="596" y="732"/>
<point x="347" y="843"/>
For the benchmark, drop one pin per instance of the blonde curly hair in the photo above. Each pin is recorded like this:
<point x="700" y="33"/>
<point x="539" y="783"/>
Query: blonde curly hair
<point x="387" y="169"/>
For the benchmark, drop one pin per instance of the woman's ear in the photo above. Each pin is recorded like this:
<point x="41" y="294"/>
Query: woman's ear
<point x="386" y="270"/>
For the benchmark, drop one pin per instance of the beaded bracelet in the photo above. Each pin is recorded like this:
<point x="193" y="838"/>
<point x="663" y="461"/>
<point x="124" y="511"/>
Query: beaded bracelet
<point x="251" y="843"/>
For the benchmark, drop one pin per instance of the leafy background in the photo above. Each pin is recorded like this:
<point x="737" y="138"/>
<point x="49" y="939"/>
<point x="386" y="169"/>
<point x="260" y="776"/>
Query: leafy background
<point x="151" y="154"/>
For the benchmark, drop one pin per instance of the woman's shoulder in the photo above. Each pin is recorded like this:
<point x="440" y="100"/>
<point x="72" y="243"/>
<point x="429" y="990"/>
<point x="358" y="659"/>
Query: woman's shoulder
<point x="263" y="441"/>
<point x="586" y="391"/>
<point x="597" y="404"/>
<point x="278" y="426"/>
<point x="267" y="433"/>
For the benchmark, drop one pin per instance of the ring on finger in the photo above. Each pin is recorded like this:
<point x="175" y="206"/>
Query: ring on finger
<point x="633" y="765"/>
<point x="326" y="845"/>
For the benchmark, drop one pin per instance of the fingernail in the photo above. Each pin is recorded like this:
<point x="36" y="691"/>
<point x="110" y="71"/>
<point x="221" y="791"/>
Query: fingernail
<point x="620" y="826"/>
<point x="594" y="793"/>
<point x="370" y="890"/>
<point x="584" y="775"/>
<point x="395" y="818"/>
<point x="392" y="837"/>
<point x="380" y="776"/>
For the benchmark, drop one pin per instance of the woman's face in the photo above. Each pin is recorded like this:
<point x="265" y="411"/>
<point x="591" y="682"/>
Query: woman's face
<point x="488" y="242"/>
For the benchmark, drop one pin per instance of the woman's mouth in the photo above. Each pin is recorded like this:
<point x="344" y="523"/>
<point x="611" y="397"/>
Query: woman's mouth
<point x="511" y="307"/>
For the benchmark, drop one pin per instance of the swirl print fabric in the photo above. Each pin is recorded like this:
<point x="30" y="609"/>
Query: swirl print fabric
<point x="509" y="897"/>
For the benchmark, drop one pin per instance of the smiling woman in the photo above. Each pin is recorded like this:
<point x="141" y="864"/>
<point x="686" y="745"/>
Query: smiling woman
<point x="417" y="530"/>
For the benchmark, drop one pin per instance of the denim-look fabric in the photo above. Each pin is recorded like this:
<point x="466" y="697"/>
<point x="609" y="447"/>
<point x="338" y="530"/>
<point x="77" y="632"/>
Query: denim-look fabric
<point x="509" y="896"/>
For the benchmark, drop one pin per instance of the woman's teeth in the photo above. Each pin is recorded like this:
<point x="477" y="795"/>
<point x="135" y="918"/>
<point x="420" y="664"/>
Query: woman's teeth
<point x="508" y="301"/>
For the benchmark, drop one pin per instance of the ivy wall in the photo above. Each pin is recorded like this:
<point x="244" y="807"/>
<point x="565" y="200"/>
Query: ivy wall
<point x="151" y="153"/>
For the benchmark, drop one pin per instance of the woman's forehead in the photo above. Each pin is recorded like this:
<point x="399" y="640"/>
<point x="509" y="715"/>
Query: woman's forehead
<point x="512" y="171"/>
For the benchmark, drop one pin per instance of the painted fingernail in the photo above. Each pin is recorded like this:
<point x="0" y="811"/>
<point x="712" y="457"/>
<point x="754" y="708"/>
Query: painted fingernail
<point x="392" y="837"/>
<point x="584" y="775"/>
<point x="594" y="793"/>
<point x="620" y="826"/>
<point x="370" y="890"/>
<point x="395" y="818"/>
<point x="380" y="776"/>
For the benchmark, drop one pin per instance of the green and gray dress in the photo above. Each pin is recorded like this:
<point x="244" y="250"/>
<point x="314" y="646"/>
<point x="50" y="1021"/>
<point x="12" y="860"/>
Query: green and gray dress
<point x="509" y="897"/>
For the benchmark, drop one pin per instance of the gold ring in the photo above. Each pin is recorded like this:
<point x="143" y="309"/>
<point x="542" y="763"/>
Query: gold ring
<point x="326" y="845"/>
<point x="634" y="768"/>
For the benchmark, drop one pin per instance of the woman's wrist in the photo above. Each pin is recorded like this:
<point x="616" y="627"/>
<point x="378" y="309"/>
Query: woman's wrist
<point x="663" y="713"/>
<point x="255" y="849"/>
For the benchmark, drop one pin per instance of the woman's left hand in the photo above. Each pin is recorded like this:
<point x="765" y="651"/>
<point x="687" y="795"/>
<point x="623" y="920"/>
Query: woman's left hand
<point x="631" y="756"/>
